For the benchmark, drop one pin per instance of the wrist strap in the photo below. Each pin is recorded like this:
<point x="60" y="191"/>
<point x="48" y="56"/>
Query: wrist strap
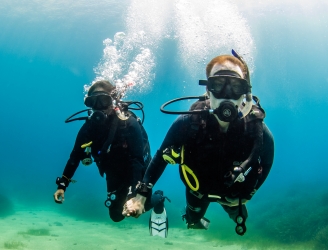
<point x="63" y="182"/>
<point x="143" y="188"/>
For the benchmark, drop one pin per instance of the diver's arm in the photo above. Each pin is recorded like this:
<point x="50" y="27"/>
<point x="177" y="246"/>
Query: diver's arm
<point x="175" y="136"/>
<point x="266" y="155"/>
<point x="155" y="168"/>
<point x="59" y="196"/>
<point x="71" y="165"/>
<point x="75" y="156"/>
<point x="135" y="146"/>
<point x="266" y="161"/>
<point x="135" y="206"/>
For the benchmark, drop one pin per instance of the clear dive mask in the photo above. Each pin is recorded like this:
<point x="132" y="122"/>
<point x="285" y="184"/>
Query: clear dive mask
<point x="226" y="84"/>
<point x="230" y="95"/>
<point x="98" y="101"/>
<point x="236" y="103"/>
<point x="226" y="87"/>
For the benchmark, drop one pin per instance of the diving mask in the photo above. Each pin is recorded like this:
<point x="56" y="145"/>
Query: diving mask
<point x="98" y="100"/>
<point x="226" y="84"/>
<point x="230" y="94"/>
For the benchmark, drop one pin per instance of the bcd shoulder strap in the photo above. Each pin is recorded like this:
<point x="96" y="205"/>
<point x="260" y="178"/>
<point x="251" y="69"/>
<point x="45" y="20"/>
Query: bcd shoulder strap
<point x="146" y="146"/>
<point x="112" y="130"/>
<point x="256" y="113"/>
<point x="197" y="121"/>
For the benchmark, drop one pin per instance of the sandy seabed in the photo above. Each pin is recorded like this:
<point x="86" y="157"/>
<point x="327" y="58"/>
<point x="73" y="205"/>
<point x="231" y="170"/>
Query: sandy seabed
<point x="46" y="229"/>
<point x="43" y="229"/>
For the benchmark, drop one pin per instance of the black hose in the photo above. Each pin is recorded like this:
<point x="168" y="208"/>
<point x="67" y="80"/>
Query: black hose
<point x="200" y="98"/>
<point x="139" y="105"/>
<point x="79" y="118"/>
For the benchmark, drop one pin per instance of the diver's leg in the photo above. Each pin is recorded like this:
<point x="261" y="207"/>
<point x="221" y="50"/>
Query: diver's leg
<point x="156" y="201"/>
<point x="117" y="193"/>
<point x="195" y="210"/>
<point x="158" y="221"/>
<point x="239" y="215"/>
<point x="115" y="210"/>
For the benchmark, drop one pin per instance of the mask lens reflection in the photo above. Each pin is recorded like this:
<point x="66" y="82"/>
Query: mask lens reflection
<point x="238" y="87"/>
<point x="105" y="100"/>
<point x="218" y="83"/>
<point x="98" y="101"/>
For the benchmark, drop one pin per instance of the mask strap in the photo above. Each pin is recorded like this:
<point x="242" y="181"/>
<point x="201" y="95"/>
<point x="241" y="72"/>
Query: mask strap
<point x="235" y="54"/>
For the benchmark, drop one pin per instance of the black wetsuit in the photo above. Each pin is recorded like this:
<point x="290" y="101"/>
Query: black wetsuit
<point x="123" y="165"/>
<point x="210" y="154"/>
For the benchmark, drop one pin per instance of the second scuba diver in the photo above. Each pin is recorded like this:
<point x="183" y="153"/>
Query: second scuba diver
<point x="113" y="137"/>
<point x="224" y="149"/>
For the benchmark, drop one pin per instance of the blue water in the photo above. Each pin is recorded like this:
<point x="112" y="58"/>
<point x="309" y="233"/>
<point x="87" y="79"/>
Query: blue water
<point x="50" y="50"/>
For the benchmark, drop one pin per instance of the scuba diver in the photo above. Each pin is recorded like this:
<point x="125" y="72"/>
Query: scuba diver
<point x="114" y="138"/>
<point x="224" y="149"/>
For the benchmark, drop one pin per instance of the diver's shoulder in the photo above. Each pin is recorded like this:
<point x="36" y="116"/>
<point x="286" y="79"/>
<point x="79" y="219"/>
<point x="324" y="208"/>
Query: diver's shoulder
<point x="131" y="121"/>
<point x="181" y="119"/>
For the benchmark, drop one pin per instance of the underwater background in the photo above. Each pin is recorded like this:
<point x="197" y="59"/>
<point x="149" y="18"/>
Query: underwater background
<point x="51" y="50"/>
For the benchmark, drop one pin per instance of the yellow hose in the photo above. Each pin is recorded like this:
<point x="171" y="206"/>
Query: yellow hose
<point x="86" y="145"/>
<point x="185" y="169"/>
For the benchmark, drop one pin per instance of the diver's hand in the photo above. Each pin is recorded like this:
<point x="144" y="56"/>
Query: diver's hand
<point x="134" y="207"/>
<point x="232" y="202"/>
<point x="59" y="196"/>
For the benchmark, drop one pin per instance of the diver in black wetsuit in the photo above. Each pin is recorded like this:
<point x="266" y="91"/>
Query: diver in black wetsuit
<point x="115" y="141"/>
<point x="222" y="158"/>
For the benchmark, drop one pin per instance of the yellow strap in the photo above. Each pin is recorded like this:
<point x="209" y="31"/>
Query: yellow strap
<point x="86" y="145"/>
<point x="214" y="196"/>
<point x="185" y="169"/>
<point x="175" y="154"/>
